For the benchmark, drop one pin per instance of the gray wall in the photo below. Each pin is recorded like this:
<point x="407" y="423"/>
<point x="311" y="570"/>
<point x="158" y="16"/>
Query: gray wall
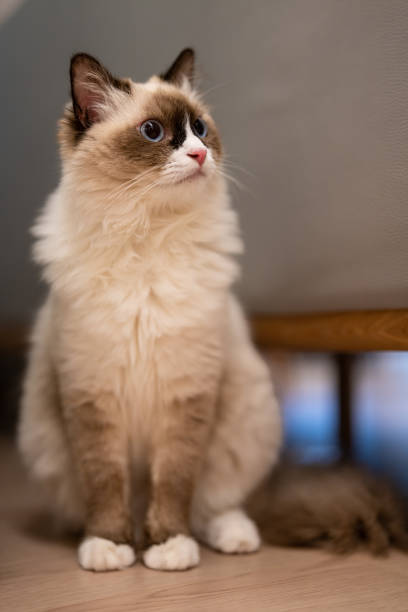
<point x="311" y="97"/>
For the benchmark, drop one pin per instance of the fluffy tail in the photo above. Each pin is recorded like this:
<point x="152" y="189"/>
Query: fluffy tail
<point x="338" y="508"/>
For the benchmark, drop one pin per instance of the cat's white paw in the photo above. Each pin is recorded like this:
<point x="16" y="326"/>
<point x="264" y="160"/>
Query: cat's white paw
<point x="233" y="532"/>
<point x="177" y="553"/>
<point x="101" y="555"/>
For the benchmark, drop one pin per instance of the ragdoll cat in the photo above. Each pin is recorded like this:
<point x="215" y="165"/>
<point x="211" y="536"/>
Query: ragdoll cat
<point x="146" y="407"/>
<point x="142" y="375"/>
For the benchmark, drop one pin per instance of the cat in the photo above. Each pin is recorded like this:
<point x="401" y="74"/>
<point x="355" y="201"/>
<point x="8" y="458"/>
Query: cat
<point x="143" y="386"/>
<point x="147" y="413"/>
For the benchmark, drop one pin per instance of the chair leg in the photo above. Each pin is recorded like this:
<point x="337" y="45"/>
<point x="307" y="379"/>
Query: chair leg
<point x="344" y="364"/>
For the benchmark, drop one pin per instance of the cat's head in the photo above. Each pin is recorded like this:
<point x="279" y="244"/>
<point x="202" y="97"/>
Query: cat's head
<point x="151" y="135"/>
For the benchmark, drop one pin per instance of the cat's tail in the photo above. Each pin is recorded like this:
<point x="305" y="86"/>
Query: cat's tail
<point x="337" y="508"/>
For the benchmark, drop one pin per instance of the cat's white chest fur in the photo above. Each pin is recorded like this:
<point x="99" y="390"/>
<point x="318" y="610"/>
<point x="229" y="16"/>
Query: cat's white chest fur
<point x="139" y="321"/>
<point x="136" y="298"/>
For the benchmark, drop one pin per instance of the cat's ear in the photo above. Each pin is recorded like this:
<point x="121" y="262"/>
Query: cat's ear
<point x="182" y="69"/>
<point x="92" y="86"/>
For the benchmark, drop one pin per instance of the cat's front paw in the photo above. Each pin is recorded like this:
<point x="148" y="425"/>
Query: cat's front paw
<point x="101" y="555"/>
<point x="179" y="552"/>
<point x="233" y="532"/>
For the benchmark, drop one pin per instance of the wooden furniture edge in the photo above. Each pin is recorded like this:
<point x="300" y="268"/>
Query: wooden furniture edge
<point x="351" y="331"/>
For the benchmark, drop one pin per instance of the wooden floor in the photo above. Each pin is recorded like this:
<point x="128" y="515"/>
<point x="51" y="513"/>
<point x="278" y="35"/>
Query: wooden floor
<point x="39" y="572"/>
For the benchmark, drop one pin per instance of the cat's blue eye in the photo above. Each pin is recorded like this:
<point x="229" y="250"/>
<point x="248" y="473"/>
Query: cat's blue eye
<point x="200" y="128"/>
<point x="152" y="130"/>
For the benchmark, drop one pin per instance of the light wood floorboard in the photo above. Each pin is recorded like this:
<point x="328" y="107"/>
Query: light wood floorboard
<point x="39" y="572"/>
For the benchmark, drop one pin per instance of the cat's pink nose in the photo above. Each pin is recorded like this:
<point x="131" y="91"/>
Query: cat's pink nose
<point x="199" y="155"/>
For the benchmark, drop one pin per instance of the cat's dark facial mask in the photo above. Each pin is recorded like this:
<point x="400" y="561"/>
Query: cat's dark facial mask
<point x="159" y="129"/>
<point x="176" y="134"/>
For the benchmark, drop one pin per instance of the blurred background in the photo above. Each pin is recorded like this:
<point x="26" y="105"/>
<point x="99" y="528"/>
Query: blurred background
<point x="311" y="97"/>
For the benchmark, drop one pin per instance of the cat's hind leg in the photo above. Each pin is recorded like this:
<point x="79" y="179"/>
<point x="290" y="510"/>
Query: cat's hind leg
<point x="245" y="445"/>
<point x="230" y="532"/>
<point x="41" y="437"/>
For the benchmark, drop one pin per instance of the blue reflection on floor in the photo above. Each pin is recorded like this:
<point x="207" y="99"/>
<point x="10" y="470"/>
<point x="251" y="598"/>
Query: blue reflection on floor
<point x="380" y="420"/>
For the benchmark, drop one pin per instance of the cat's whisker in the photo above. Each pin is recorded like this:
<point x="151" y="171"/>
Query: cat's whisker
<point x="233" y="180"/>
<point x="144" y="175"/>
<point x="126" y="193"/>
<point x="148" y="188"/>
<point x="117" y="193"/>
<point x="123" y="187"/>
<point x="235" y="166"/>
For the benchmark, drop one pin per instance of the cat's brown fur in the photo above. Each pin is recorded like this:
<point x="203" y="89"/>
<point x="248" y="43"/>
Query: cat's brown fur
<point x="179" y="447"/>
<point x="99" y="450"/>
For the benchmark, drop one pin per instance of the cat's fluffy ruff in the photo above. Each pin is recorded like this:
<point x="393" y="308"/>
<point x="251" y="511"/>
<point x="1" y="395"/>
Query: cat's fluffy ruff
<point x="141" y="362"/>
